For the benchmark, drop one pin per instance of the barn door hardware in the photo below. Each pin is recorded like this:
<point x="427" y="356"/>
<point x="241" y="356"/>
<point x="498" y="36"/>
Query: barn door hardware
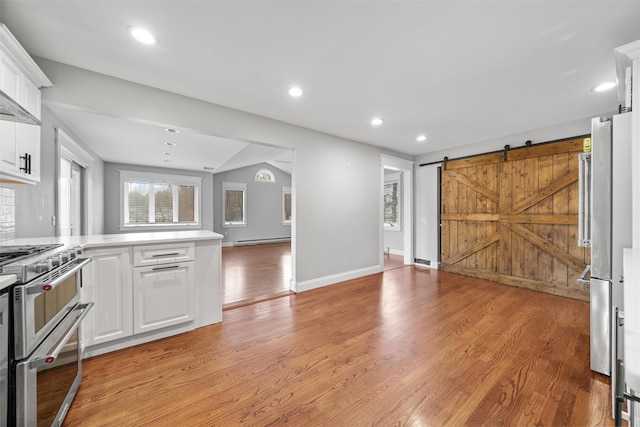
<point x="506" y="150"/>
<point x="444" y="163"/>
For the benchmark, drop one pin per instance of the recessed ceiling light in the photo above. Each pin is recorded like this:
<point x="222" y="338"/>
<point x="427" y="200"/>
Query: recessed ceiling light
<point x="167" y="161"/>
<point x="170" y="144"/>
<point x="208" y="168"/>
<point x="171" y="130"/>
<point x="166" y="153"/>
<point x="421" y="138"/>
<point x="377" y="121"/>
<point x="604" y="86"/>
<point x="295" y="92"/>
<point x="142" y="35"/>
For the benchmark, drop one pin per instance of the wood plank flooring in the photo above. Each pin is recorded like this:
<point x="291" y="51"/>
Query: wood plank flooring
<point x="255" y="273"/>
<point x="410" y="346"/>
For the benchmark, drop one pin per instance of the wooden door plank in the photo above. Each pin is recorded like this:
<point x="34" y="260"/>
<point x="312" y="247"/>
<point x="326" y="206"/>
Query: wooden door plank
<point x="474" y="185"/>
<point x="545" y="245"/>
<point x="481" y="244"/>
<point x="543" y="193"/>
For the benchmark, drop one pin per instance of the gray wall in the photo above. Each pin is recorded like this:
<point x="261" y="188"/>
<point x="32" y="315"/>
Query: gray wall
<point x="331" y="245"/>
<point x="112" y="194"/>
<point x="264" y="204"/>
<point x="35" y="204"/>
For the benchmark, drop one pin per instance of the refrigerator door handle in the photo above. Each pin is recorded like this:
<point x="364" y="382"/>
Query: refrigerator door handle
<point x="584" y="200"/>
<point x="581" y="280"/>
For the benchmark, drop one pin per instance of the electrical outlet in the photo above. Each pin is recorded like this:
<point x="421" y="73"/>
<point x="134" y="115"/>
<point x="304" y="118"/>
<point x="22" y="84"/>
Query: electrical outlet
<point x="53" y="221"/>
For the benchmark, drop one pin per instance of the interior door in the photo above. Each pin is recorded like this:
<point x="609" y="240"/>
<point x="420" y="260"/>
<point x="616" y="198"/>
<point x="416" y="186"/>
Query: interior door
<point x="512" y="217"/>
<point x="70" y="198"/>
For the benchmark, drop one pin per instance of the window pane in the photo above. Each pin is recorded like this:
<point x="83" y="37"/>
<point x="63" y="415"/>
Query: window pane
<point x="164" y="202"/>
<point x="287" y="206"/>
<point x="234" y="206"/>
<point x="391" y="203"/>
<point x="186" y="202"/>
<point x="138" y="202"/>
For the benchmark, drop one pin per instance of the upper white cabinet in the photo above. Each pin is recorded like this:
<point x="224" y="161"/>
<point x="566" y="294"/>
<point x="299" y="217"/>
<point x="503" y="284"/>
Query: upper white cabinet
<point x="21" y="80"/>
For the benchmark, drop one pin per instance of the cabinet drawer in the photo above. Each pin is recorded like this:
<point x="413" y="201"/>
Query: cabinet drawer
<point x="163" y="254"/>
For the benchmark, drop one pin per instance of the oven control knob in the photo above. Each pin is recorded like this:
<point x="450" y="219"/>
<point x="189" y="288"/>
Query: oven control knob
<point x="44" y="265"/>
<point x="78" y="250"/>
<point x="64" y="256"/>
<point x="54" y="260"/>
<point x="71" y="253"/>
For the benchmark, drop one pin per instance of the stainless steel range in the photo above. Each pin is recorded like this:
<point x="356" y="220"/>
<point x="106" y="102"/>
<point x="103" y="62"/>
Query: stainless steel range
<point x="45" y="314"/>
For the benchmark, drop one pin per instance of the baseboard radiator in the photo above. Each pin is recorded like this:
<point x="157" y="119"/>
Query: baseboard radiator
<point x="261" y="241"/>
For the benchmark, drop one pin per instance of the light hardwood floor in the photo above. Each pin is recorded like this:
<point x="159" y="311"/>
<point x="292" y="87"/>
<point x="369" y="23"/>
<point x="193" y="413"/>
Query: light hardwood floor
<point x="410" y="346"/>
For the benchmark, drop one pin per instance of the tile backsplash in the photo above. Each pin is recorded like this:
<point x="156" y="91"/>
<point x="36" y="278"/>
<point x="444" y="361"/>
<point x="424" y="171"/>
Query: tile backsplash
<point x="7" y="214"/>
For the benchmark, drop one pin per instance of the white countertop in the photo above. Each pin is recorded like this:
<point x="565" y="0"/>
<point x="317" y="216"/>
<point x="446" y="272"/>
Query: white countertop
<point x="6" y="280"/>
<point x="101" y="240"/>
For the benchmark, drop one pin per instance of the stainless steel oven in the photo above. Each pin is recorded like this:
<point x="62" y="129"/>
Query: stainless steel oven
<point x="44" y="351"/>
<point x="48" y="379"/>
<point x="40" y="304"/>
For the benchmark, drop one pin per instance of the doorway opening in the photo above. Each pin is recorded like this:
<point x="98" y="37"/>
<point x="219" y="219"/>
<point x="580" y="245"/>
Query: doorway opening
<point x="396" y="237"/>
<point x="257" y="220"/>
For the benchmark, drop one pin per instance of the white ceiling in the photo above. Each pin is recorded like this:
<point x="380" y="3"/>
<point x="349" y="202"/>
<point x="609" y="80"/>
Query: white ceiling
<point x="458" y="71"/>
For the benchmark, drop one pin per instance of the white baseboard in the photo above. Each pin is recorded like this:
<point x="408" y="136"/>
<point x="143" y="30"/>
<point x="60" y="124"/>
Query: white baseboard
<point x="396" y="252"/>
<point x="307" y="285"/>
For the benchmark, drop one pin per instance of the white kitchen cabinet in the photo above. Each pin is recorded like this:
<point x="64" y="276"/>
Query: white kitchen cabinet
<point x="107" y="282"/>
<point x="20" y="79"/>
<point x="164" y="295"/>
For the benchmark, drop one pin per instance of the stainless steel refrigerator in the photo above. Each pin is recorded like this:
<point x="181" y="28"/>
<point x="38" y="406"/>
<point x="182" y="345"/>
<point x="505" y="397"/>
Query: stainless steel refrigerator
<point x="605" y="226"/>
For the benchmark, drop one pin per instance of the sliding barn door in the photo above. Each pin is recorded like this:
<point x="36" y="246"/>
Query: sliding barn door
<point x="514" y="219"/>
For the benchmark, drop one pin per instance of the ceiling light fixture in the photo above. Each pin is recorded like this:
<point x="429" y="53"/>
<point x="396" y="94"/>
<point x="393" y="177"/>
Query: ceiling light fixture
<point x="296" y="92"/>
<point x="421" y="138"/>
<point x="377" y="121"/>
<point x="170" y="130"/>
<point x="166" y="153"/>
<point x="604" y="87"/>
<point x="142" y="35"/>
<point x="170" y="144"/>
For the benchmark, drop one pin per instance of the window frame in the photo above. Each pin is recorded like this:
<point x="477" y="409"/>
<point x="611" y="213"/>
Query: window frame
<point x="398" y="225"/>
<point x="285" y="191"/>
<point x="271" y="174"/>
<point x="234" y="186"/>
<point x="152" y="178"/>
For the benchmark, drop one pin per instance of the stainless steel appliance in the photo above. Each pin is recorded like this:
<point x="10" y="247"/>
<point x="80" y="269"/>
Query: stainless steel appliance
<point x="4" y="357"/>
<point x="605" y="226"/>
<point x="44" y="352"/>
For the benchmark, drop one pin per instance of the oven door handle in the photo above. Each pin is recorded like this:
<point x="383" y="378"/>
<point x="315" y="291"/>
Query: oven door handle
<point x="51" y="356"/>
<point x="52" y="280"/>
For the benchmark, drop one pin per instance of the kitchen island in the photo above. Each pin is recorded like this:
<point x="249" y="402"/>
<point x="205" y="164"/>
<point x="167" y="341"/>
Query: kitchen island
<point x="145" y="286"/>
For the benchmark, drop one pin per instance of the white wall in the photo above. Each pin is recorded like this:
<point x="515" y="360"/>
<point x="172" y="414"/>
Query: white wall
<point x="427" y="218"/>
<point x="331" y="245"/>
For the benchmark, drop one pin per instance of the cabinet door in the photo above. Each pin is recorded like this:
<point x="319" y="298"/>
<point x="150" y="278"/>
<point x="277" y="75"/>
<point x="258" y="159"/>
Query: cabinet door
<point x="10" y="78"/>
<point x="164" y="295"/>
<point x="28" y="136"/>
<point x="107" y="283"/>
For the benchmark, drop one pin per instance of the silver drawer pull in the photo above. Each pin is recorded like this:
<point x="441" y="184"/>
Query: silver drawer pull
<point x="161" y="255"/>
<point x="169" y="267"/>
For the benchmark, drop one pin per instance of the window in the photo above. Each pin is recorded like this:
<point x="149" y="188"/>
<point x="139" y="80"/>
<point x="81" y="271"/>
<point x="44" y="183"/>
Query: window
<point x="159" y="200"/>
<point x="264" y="175"/>
<point x="391" y="205"/>
<point x="234" y="204"/>
<point x="286" y="205"/>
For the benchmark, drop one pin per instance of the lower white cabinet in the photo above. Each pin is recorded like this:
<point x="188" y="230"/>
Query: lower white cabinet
<point x="130" y="301"/>
<point x="164" y="295"/>
<point x="107" y="282"/>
